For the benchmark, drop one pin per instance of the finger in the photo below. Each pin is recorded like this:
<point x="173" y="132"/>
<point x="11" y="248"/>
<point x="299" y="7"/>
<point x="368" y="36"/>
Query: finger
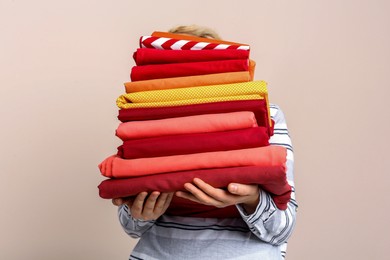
<point x="242" y="189"/>
<point x="159" y="207"/>
<point x="187" y="196"/>
<point x="200" y="195"/>
<point x="168" y="201"/>
<point x="138" y="204"/>
<point x="149" y="205"/>
<point x="117" y="201"/>
<point x="217" y="194"/>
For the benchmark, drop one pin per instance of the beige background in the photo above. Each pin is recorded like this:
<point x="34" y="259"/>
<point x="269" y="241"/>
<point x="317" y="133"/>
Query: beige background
<point x="62" y="65"/>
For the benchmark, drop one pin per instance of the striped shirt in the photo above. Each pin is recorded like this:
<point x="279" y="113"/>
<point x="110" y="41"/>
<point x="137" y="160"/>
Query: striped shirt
<point x="261" y="235"/>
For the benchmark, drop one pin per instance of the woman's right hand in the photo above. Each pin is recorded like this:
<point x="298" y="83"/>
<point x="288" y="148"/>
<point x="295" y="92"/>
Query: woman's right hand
<point x="144" y="207"/>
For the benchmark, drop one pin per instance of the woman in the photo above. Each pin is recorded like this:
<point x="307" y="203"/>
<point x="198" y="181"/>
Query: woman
<point x="261" y="232"/>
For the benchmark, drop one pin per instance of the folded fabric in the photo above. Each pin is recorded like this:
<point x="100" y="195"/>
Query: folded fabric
<point x="146" y="56"/>
<point x="223" y="90"/>
<point x="116" y="167"/>
<point x="158" y="71"/>
<point x="271" y="178"/>
<point x="258" y="107"/>
<point x="195" y="95"/>
<point x="186" y="125"/>
<point x="181" y="44"/>
<point x="194" y="143"/>
<point x="193" y="38"/>
<point x="188" y="81"/>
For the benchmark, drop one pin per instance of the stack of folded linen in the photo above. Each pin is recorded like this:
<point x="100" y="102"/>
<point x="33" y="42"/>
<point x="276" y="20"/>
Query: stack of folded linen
<point x="192" y="110"/>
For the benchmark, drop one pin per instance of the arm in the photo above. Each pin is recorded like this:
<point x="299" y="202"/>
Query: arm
<point x="137" y="215"/>
<point x="268" y="222"/>
<point x="256" y="206"/>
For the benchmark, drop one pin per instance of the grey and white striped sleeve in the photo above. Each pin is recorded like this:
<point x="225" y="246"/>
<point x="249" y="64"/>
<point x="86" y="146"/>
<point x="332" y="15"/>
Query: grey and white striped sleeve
<point x="133" y="227"/>
<point x="268" y="222"/>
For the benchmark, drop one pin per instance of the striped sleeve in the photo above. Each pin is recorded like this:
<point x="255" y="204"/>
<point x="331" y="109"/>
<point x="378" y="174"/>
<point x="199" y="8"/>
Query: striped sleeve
<point x="270" y="224"/>
<point x="133" y="227"/>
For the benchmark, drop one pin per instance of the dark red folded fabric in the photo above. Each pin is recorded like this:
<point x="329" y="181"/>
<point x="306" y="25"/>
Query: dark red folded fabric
<point x="194" y="143"/>
<point x="158" y="71"/>
<point x="146" y="56"/>
<point x="258" y="107"/>
<point x="271" y="179"/>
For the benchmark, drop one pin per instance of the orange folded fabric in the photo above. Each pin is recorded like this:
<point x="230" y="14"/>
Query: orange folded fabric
<point x="189" y="81"/>
<point x="186" y="125"/>
<point x="116" y="167"/>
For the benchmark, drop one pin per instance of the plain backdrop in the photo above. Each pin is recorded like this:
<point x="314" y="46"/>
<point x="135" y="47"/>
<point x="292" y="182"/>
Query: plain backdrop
<point x="63" y="64"/>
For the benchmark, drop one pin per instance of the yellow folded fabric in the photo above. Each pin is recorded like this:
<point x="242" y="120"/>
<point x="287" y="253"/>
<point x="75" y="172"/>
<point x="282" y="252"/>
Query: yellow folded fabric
<point x="189" y="81"/>
<point x="123" y="103"/>
<point x="195" y="95"/>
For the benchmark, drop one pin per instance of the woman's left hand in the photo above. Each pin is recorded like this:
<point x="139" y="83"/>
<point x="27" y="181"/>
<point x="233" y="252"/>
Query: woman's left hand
<point x="203" y="193"/>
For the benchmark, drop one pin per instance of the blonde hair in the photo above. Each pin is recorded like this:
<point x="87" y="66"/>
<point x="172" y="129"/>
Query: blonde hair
<point x="195" y="30"/>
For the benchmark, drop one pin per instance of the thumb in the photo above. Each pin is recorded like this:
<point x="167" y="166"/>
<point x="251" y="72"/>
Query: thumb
<point x="240" y="189"/>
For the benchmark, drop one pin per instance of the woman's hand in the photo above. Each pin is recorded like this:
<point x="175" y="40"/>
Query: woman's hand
<point x="144" y="207"/>
<point x="201" y="192"/>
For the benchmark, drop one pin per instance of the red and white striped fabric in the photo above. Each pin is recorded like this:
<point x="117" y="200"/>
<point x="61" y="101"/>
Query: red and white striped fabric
<point x="176" y="44"/>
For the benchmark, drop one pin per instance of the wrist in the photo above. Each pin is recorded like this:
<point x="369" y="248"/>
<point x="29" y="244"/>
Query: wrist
<point x="251" y="205"/>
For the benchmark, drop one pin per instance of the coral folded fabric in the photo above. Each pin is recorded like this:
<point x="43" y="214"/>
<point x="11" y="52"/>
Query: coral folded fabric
<point x="188" y="81"/>
<point x="194" y="143"/>
<point x="146" y="56"/>
<point x="271" y="178"/>
<point x="186" y="125"/>
<point x="116" y="167"/>
<point x="158" y="71"/>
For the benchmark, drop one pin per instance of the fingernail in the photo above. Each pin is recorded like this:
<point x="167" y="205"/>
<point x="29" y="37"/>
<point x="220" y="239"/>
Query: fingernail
<point x="233" y="187"/>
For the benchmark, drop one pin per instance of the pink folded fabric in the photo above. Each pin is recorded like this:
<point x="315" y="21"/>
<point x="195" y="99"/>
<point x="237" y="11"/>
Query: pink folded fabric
<point x="271" y="179"/>
<point x="186" y="125"/>
<point x="146" y="56"/>
<point x="147" y="72"/>
<point x="167" y="43"/>
<point x="194" y="143"/>
<point x="116" y="167"/>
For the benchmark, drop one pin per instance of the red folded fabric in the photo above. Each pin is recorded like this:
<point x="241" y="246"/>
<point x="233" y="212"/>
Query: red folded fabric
<point x="258" y="107"/>
<point x="145" y="56"/>
<point x="194" y="143"/>
<point x="157" y="71"/>
<point x="270" y="178"/>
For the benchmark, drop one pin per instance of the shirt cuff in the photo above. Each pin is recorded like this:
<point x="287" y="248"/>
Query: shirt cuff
<point x="264" y="209"/>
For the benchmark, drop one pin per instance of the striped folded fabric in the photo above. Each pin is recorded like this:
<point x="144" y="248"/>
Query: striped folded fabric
<point x="146" y="56"/>
<point x="167" y="43"/>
